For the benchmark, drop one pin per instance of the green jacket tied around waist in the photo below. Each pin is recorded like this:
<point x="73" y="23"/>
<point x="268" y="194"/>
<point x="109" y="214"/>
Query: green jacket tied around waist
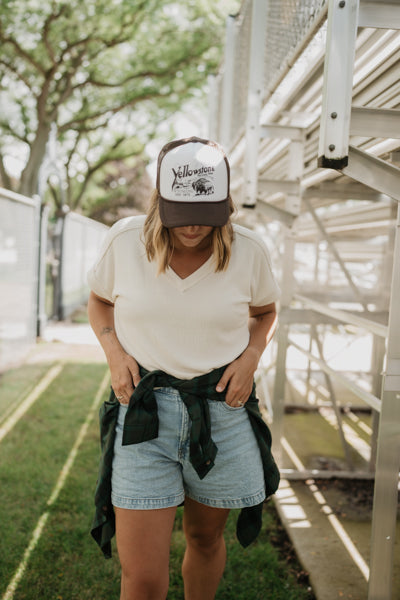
<point x="141" y="424"/>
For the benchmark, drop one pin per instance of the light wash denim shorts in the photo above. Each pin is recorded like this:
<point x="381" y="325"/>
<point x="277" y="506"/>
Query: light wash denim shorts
<point x="158" y="473"/>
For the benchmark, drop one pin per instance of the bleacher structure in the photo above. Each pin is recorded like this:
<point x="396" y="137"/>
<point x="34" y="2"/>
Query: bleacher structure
<point x="307" y="106"/>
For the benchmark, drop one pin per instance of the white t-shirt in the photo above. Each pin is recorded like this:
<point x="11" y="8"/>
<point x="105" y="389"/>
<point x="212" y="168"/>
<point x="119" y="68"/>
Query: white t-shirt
<point x="185" y="327"/>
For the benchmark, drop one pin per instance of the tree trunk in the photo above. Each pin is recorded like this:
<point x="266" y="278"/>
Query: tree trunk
<point x="30" y="175"/>
<point x="5" y="178"/>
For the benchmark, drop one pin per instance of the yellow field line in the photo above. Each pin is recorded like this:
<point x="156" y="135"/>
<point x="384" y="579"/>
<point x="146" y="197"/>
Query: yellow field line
<point x="30" y="399"/>
<point x="19" y="573"/>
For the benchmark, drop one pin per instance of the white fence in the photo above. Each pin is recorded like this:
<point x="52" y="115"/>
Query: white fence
<point x="81" y="239"/>
<point x="19" y="259"/>
<point x="27" y="242"/>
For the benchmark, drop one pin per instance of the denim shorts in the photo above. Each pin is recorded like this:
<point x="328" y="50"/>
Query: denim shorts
<point x="158" y="473"/>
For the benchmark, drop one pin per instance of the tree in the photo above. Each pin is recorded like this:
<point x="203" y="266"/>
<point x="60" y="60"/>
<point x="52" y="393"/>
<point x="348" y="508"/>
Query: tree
<point x="99" y="74"/>
<point x="124" y="191"/>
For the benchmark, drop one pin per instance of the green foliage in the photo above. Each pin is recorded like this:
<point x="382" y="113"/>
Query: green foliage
<point x="103" y="73"/>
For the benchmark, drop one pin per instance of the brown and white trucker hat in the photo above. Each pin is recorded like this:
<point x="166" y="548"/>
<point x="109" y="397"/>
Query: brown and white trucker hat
<point x="193" y="183"/>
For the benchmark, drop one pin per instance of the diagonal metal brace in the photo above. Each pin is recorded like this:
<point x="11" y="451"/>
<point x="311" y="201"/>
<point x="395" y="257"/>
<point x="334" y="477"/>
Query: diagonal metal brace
<point x="374" y="172"/>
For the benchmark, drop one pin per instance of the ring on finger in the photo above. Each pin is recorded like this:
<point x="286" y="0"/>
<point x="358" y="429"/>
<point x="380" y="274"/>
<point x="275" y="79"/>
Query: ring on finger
<point x="119" y="397"/>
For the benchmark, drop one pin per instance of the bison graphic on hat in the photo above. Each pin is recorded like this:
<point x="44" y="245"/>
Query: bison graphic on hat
<point x="203" y="186"/>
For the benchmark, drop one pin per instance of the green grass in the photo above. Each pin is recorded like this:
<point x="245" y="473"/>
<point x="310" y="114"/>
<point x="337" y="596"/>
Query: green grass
<point x="66" y="564"/>
<point x="314" y="439"/>
<point x="16" y="384"/>
<point x="364" y="418"/>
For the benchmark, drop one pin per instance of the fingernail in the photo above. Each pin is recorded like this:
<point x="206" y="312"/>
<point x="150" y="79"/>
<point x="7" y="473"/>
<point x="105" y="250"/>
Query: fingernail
<point x="219" y="388"/>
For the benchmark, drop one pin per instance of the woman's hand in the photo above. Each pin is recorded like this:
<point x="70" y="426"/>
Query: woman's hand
<point x="238" y="378"/>
<point x="123" y="368"/>
<point x="239" y="375"/>
<point x="125" y="376"/>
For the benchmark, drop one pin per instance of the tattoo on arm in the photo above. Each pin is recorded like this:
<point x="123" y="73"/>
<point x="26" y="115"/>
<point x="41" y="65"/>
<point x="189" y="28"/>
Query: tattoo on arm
<point x="260" y="318"/>
<point x="106" y="330"/>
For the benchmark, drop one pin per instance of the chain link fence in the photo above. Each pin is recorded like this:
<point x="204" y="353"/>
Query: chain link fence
<point x="289" y="25"/>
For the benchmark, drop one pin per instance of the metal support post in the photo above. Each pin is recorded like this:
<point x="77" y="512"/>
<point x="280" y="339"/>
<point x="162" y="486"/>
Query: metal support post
<point x="388" y="455"/>
<point x="338" y="83"/>
<point x="317" y="259"/>
<point x="42" y="256"/>
<point x="377" y="366"/>
<point x="227" y="82"/>
<point x="292" y="205"/>
<point x="254" y="100"/>
<point x="379" y="343"/>
<point x="309" y="363"/>
<point x="296" y="166"/>
<point x="335" y="406"/>
<point x="213" y="122"/>
<point x="58" y="235"/>
<point x="278" y="400"/>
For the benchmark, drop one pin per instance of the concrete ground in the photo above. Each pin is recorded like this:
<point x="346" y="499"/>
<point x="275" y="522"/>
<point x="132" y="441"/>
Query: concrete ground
<point x="67" y="341"/>
<point x="333" y="546"/>
<point x="329" y="530"/>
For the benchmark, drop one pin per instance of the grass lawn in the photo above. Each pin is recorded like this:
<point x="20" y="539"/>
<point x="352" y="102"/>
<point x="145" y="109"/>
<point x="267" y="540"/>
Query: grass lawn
<point x="15" y="385"/>
<point x="64" y="563"/>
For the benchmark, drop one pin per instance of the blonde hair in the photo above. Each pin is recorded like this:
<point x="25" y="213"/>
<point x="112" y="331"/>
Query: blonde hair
<point x="159" y="245"/>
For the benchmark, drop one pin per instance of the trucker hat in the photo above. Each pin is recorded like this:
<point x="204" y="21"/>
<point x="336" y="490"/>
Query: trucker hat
<point x="193" y="183"/>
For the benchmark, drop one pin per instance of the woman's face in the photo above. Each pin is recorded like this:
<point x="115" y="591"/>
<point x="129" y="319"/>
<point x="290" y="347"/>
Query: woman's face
<point x="192" y="236"/>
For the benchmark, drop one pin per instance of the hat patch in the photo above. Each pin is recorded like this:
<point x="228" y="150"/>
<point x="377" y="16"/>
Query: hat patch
<point x="186" y="180"/>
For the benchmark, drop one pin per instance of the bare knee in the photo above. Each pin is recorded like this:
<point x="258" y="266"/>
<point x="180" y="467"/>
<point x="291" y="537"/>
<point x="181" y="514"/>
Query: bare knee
<point x="206" y="541"/>
<point x="144" y="585"/>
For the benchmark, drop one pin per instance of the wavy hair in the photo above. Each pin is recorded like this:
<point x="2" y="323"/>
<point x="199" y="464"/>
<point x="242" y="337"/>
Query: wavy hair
<point x="159" y="242"/>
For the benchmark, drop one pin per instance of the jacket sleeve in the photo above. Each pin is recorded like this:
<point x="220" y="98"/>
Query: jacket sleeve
<point x="103" y="526"/>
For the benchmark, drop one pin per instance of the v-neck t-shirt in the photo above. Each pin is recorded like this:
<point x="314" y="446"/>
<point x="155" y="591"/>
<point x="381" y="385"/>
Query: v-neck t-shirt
<point x="184" y="327"/>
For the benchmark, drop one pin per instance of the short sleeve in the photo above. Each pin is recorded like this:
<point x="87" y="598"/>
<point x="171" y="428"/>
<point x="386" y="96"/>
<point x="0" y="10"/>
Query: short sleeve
<point x="264" y="287"/>
<point x="101" y="277"/>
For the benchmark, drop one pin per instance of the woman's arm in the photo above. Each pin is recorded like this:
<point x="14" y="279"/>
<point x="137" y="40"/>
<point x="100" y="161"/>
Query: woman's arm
<point x="124" y="368"/>
<point x="238" y="376"/>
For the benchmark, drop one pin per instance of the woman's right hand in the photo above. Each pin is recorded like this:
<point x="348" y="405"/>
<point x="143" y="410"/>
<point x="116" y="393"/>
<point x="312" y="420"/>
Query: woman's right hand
<point x="124" y="369"/>
<point x="125" y="376"/>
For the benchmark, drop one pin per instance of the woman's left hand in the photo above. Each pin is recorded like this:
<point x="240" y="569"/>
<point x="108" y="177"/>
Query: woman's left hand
<point x="238" y="377"/>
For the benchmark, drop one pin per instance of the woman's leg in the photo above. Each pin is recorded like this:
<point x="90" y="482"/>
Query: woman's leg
<point x="143" y="541"/>
<point x="205" y="556"/>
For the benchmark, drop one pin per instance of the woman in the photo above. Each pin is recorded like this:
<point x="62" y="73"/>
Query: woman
<point x="183" y="304"/>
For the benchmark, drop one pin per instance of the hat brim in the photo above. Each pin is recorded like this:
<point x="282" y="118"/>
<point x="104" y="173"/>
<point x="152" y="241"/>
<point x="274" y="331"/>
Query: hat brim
<point x="184" y="214"/>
